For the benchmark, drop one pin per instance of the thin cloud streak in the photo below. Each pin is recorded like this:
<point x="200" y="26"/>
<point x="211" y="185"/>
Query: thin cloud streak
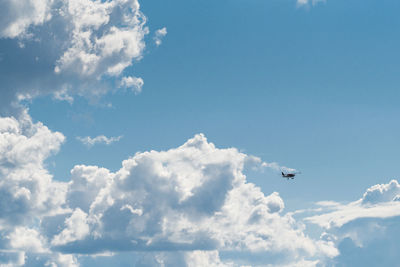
<point x="101" y="139"/>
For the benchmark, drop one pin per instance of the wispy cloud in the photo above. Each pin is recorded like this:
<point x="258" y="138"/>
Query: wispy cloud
<point x="101" y="139"/>
<point x="307" y="2"/>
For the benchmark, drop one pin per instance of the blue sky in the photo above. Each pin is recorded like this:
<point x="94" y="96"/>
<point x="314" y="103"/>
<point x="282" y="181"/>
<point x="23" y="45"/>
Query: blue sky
<point x="309" y="86"/>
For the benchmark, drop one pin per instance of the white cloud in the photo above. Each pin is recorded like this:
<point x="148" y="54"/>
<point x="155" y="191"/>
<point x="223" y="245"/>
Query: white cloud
<point x="76" y="228"/>
<point x="63" y="95"/>
<point x="134" y="83"/>
<point x="62" y="260"/>
<point x="17" y="16"/>
<point x="379" y="201"/>
<point x="68" y="47"/>
<point x="28" y="194"/>
<point x="159" y="35"/>
<point x="205" y="258"/>
<point x="381" y="193"/>
<point x="187" y="258"/>
<point x="367" y="227"/>
<point x="307" y="2"/>
<point x="26" y="188"/>
<point x="302" y="2"/>
<point x="26" y="239"/>
<point x="193" y="201"/>
<point x="194" y="197"/>
<point x="106" y="37"/>
<point x="101" y="139"/>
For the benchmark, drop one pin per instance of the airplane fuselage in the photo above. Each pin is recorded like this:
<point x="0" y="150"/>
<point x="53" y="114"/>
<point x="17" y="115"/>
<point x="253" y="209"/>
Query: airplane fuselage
<point x="289" y="175"/>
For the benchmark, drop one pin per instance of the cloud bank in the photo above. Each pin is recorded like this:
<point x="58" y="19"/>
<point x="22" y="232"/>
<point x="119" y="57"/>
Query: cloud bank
<point x="193" y="201"/>
<point x="186" y="206"/>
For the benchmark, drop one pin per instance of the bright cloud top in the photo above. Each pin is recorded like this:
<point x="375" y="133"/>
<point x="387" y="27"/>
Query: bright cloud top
<point x="191" y="197"/>
<point x="101" y="139"/>
<point x="72" y="46"/>
<point x="106" y="36"/>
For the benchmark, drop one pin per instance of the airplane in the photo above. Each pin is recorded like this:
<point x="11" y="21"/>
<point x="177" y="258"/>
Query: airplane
<point x="288" y="175"/>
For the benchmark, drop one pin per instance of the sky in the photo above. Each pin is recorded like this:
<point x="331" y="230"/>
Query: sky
<point x="153" y="133"/>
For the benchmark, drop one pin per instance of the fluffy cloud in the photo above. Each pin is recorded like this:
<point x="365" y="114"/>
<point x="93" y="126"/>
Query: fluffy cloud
<point x="106" y="36"/>
<point x="382" y="193"/>
<point x="26" y="188"/>
<point x="101" y="139"/>
<point x="27" y="191"/>
<point x="194" y="197"/>
<point x="26" y="239"/>
<point x="67" y="47"/>
<point x="193" y="201"/>
<point x="134" y="83"/>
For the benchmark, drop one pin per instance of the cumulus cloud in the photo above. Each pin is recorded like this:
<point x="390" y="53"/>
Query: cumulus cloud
<point x="28" y="193"/>
<point x="184" y="205"/>
<point x="106" y="36"/>
<point x="159" y="35"/>
<point x="381" y="193"/>
<point x="26" y="188"/>
<point x="69" y="47"/>
<point x="194" y="197"/>
<point x="101" y="139"/>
